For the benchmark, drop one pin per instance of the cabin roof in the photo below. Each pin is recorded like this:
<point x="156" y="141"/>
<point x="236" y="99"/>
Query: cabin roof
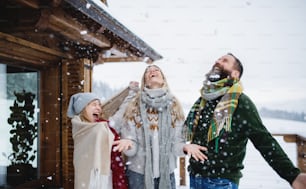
<point x="42" y="32"/>
<point x="100" y="13"/>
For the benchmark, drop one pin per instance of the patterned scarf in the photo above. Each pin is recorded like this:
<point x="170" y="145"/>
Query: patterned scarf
<point x="230" y="91"/>
<point x="160" y="100"/>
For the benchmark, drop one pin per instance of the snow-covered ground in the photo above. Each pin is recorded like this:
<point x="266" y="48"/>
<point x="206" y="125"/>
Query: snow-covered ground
<point x="257" y="173"/>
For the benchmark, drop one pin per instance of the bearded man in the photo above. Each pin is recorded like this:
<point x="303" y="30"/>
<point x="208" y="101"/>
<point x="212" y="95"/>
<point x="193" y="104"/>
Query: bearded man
<point x="223" y="119"/>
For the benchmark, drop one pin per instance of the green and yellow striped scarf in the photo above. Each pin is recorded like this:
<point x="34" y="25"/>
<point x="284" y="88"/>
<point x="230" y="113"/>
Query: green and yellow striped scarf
<point x="230" y="91"/>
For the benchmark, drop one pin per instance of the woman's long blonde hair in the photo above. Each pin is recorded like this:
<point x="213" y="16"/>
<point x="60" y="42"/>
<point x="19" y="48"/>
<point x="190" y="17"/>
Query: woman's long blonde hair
<point x="133" y="108"/>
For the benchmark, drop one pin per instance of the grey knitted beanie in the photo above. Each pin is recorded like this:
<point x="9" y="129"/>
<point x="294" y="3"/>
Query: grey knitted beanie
<point x="79" y="101"/>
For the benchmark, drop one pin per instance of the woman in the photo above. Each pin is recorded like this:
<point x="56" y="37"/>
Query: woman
<point x="153" y="120"/>
<point x="97" y="165"/>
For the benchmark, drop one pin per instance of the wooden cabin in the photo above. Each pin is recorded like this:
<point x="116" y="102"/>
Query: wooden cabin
<point x="60" y="41"/>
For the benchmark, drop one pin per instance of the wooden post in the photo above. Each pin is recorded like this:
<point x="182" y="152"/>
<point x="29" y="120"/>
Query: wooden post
<point x="301" y="152"/>
<point x="301" y="149"/>
<point x="182" y="171"/>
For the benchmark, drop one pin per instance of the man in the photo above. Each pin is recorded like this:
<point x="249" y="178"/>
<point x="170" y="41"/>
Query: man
<point x="223" y="119"/>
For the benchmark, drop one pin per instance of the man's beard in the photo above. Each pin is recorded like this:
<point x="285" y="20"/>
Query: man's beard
<point x="217" y="73"/>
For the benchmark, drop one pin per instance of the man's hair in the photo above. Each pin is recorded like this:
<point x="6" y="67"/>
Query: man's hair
<point x="238" y="64"/>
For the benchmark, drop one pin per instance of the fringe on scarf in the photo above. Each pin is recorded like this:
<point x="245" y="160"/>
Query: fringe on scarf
<point x="193" y="118"/>
<point x="225" y="108"/>
<point x="98" y="181"/>
<point x="214" y="130"/>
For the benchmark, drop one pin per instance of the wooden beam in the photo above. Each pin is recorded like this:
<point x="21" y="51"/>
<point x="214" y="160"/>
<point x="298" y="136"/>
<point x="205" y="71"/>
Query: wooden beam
<point x="58" y="21"/>
<point x="122" y="59"/>
<point x="28" y="44"/>
<point x="25" y="52"/>
<point x="287" y="137"/>
<point x="290" y="138"/>
<point x="36" y="5"/>
<point x="21" y="59"/>
<point x="50" y="124"/>
<point x="30" y="3"/>
<point x="18" y="49"/>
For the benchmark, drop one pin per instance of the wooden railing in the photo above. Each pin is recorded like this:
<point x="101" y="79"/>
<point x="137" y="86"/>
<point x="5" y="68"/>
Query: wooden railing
<point x="301" y="148"/>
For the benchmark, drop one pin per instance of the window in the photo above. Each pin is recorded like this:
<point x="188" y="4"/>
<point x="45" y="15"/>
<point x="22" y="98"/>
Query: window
<point x="24" y="81"/>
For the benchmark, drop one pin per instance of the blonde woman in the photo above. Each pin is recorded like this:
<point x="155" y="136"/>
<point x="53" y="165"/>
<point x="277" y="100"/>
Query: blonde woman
<point x="153" y="120"/>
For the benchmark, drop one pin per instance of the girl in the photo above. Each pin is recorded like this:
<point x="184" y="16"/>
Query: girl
<point x="97" y="158"/>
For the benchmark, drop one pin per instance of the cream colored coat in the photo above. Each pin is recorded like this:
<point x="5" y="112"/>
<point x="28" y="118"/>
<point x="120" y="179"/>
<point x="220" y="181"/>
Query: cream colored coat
<point x="92" y="154"/>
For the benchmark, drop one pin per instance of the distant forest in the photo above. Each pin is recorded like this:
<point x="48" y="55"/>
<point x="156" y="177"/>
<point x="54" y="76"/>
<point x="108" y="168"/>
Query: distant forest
<point x="17" y="82"/>
<point x="282" y="114"/>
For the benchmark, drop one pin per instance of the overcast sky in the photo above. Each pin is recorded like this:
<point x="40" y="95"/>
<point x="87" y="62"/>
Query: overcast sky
<point x="269" y="37"/>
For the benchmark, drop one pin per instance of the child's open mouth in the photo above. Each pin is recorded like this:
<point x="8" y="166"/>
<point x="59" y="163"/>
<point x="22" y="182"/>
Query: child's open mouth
<point x="96" y="116"/>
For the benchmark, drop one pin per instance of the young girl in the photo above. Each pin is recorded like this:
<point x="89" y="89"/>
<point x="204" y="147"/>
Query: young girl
<point x="97" y="158"/>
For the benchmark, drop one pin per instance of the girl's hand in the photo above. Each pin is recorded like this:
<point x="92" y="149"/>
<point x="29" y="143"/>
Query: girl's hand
<point x="122" y="145"/>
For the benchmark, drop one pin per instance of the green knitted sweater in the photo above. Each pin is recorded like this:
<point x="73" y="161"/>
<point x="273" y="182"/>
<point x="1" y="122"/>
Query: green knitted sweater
<point x="227" y="161"/>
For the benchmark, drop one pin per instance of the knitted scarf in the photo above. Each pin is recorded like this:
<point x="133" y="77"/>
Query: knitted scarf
<point x="160" y="100"/>
<point x="230" y="91"/>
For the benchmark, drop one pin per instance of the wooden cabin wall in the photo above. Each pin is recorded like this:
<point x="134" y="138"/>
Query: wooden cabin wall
<point x="50" y="116"/>
<point x="76" y="77"/>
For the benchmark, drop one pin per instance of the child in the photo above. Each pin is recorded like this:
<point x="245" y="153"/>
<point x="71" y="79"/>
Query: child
<point x="97" y="164"/>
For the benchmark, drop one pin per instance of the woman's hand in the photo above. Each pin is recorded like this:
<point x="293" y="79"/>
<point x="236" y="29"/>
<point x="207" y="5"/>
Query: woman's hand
<point x="194" y="150"/>
<point x="134" y="85"/>
<point x="122" y="145"/>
